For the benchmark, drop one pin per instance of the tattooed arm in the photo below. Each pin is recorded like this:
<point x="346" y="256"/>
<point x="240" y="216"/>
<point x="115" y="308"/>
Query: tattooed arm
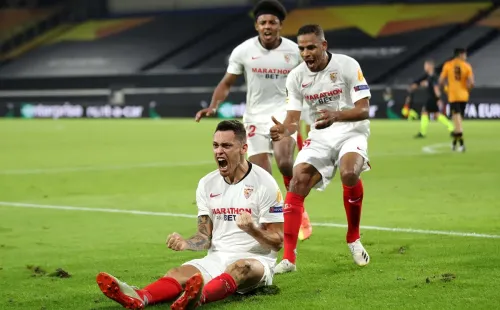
<point x="199" y="242"/>
<point x="203" y="237"/>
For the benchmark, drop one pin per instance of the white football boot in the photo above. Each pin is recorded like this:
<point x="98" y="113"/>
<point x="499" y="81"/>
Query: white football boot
<point x="285" y="266"/>
<point x="359" y="254"/>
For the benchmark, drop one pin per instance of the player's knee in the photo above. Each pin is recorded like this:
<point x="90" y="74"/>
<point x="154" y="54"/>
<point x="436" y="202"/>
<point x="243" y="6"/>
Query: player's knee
<point x="349" y="176"/>
<point x="300" y="182"/>
<point x="240" y="269"/>
<point x="174" y="273"/>
<point x="285" y="165"/>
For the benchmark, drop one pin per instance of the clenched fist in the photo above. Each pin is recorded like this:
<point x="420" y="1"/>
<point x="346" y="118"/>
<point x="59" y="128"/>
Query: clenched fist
<point x="326" y="118"/>
<point x="245" y="222"/>
<point x="176" y="242"/>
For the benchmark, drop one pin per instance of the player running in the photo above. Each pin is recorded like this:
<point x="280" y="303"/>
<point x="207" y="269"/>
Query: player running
<point x="265" y="61"/>
<point x="457" y="74"/>
<point x="334" y="87"/>
<point x="240" y="222"/>
<point x="434" y="104"/>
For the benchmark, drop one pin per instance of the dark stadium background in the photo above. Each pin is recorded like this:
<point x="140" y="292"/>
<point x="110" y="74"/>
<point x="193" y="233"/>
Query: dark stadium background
<point x="165" y="57"/>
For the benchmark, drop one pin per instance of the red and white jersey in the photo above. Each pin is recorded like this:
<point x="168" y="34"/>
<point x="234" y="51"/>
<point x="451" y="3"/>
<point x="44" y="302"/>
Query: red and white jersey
<point x="257" y="193"/>
<point x="337" y="87"/>
<point x="265" y="73"/>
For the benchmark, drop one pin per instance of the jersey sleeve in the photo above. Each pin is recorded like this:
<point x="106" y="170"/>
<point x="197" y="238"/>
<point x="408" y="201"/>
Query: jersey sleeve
<point x="294" y="98"/>
<point x="444" y="71"/>
<point x="470" y="72"/>
<point x="235" y="65"/>
<point x="358" y="86"/>
<point x="201" y="200"/>
<point x="271" y="204"/>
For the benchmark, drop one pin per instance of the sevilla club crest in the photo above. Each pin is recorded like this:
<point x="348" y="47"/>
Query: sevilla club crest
<point x="247" y="191"/>
<point x="287" y="58"/>
<point x="333" y="77"/>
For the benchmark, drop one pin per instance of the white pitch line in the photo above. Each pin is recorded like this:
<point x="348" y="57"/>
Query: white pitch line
<point x="137" y="212"/>
<point x="433" y="148"/>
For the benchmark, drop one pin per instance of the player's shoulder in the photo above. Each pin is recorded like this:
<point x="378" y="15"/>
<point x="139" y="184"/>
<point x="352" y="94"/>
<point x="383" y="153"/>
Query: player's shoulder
<point x="344" y="60"/>
<point x="298" y="70"/>
<point x="245" y="45"/>
<point x="263" y="178"/>
<point x="448" y="63"/>
<point x="209" y="178"/>
<point x="287" y="43"/>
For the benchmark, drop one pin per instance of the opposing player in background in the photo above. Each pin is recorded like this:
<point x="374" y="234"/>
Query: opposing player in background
<point x="265" y="61"/>
<point x="334" y="87"/>
<point x="433" y="104"/>
<point x="458" y="76"/>
<point x="240" y="222"/>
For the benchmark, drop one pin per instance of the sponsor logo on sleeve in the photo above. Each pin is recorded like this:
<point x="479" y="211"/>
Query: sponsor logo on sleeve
<point x="361" y="87"/>
<point x="276" y="209"/>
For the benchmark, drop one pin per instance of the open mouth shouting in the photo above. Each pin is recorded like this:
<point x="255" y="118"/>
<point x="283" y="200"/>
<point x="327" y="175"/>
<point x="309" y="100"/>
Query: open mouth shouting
<point x="223" y="164"/>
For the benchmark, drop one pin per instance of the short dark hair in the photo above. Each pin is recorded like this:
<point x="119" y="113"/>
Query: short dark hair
<point x="235" y="126"/>
<point x="272" y="7"/>
<point x="311" y="28"/>
<point x="459" y="51"/>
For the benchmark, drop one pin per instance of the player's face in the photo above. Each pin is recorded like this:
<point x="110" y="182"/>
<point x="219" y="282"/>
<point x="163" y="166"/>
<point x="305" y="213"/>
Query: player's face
<point x="228" y="151"/>
<point x="428" y="67"/>
<point x="268" y="26"/>
<point x="312" y="49"/>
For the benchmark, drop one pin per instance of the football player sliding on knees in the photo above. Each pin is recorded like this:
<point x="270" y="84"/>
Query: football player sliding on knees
<point x="338" y="95"/>
<point x="240" y="223"/>
<point x="265" y="61"/>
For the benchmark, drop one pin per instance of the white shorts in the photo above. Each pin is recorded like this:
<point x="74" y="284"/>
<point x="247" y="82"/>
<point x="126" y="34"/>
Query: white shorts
<point x="259" y="137"/>
<point x="214" y="264"/>
<point x="324" y="149"/>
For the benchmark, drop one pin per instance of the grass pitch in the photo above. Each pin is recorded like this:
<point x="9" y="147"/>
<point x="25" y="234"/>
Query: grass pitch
<point x="416" y="186"/>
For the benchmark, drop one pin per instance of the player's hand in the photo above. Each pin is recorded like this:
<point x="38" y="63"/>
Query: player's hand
<point x="245" y="222"/>
<point x="277" y="131"/>
<point x="440" y="105"/>
<point x="326" y="118"/>
<point x="176" y="242"/>
<point x="205" y="112"/>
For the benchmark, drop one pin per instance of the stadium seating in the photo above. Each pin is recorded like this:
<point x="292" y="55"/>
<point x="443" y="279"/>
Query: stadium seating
<point x="467" y="38"/>
<point x="119" y="46"/>
<point x="15" y="21"/>
<point x="381" y="37"/>
<point x="485" y="60"/>
<point x="390" y="41"/>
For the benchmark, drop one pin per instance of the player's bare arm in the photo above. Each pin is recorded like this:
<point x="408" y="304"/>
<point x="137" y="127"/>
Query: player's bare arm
<point x="289" y="127"/>
<point x="199" y="242"/>
<point x="220" y="94"/>
<point x="470" y="80"/>
<point x="269" y="235"/>
<point x="360" y="112"/>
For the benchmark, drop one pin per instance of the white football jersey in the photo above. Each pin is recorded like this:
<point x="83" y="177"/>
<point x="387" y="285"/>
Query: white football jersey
<point x="265" y="74"/>
<point x="257" y="193"/>
<point x="337" y="87"/>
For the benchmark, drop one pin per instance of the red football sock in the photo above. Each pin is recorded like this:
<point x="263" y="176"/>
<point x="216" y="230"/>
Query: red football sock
<point x="219" y="288"/>
<point x="353" y="200"/>
<point x="165" y="289"/>
<point x="294" y="207"/>
<point x="287" y="180"/>
<point x="300" y="141"/>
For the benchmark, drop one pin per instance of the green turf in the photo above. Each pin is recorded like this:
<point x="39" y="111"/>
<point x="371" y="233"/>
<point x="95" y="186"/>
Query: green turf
<point x="155" y="166"/>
